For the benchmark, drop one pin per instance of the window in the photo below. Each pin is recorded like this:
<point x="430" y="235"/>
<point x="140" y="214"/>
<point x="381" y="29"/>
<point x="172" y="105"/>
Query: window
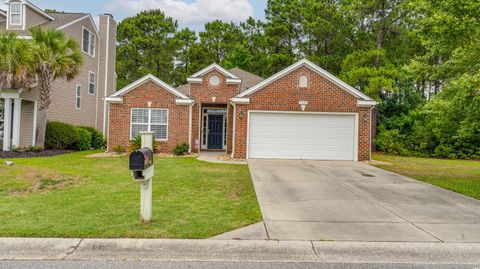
<point x="16" y="14"/>
<point x="91" y="83"/>
<point x="78" y="97"/>
<point x="214" y="80"/>
<point x="88" y="42"/>
<point x="303" y="81"/>
<point x="149" y="119"/>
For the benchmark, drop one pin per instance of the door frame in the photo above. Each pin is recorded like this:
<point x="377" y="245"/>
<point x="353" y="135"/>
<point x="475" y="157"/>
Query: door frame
<point x="204" y="119"/>
<point x="355" y="127"/>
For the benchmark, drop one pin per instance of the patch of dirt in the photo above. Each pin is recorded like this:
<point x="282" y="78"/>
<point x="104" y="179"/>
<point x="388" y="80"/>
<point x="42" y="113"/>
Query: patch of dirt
<point x="45" y="180"/>
<point x="24" y="154"/>
<point x="105" y="155"/>
<point x="116" y="155"/>
<point x="374" y="162"/>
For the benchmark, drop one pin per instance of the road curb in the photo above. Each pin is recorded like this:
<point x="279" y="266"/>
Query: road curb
<point x="238" y="250"/>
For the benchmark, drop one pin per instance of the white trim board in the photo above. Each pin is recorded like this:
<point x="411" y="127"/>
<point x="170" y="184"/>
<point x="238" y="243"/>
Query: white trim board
<point x="313" y="67"/>
<point x="145" y="79"/>
<point x="216" y="67"/>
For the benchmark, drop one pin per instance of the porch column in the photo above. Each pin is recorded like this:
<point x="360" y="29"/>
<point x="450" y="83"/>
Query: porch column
<point x="7" y="119"/>
<point x="17" y="114"/>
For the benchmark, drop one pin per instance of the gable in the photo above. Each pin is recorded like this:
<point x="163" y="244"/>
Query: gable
<point x="287" y="92"/>
<point x="318" y="70"/>
<point x="198" y="76"/>
<point x="118" y="96"/>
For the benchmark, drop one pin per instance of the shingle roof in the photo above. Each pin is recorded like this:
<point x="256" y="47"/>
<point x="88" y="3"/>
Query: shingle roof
<point x="62" y="19"/>
<point x="184" y="89"/>
<point x="248" y="80"/>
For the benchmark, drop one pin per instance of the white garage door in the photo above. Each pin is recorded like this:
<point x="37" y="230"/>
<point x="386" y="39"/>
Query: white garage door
<point x="302" y="136"/>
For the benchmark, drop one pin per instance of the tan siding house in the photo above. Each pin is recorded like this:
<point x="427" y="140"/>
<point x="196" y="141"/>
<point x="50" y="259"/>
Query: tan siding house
<point x="79" y="101"/>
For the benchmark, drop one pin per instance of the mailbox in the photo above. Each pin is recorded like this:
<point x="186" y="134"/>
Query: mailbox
<point x="141" y="164"/>
<point x="141" y="159"/>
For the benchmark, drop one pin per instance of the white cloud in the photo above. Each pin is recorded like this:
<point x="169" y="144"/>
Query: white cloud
<point x="198" y="11"/>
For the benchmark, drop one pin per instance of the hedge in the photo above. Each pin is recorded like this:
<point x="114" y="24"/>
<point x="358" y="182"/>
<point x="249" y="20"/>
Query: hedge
<point x="61" y="135"/>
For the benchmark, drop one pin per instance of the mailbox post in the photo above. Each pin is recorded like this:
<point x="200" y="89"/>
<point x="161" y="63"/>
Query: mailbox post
<point x="142" y="168"/>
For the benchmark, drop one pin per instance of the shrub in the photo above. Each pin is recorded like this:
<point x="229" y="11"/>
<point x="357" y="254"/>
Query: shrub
<point x="59" y="135"/>
<point x="98" y="140"/>
<point x="84" y="141"/>
<point x="33" y="149"/>
<point x="119" y="149"/>
<point x="181" y="149"/>
<point x="136" y="143"/>
<point x="389" y="141"/>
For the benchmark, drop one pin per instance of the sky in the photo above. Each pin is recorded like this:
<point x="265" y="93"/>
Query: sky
<point x="189" y="13"/>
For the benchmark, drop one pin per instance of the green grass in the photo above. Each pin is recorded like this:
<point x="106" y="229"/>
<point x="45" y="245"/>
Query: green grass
<point x="74" y="196"/>
<point x="457" y="175"/>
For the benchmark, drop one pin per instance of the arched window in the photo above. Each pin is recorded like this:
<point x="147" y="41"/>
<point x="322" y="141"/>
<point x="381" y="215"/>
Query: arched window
<point x="303" y="81"/>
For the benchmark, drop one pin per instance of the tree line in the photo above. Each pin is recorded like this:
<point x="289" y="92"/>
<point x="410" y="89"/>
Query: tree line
<point x="417" y="58"/>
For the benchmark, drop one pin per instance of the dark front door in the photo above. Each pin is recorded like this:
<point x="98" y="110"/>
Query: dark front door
<point x="215" y="131"/>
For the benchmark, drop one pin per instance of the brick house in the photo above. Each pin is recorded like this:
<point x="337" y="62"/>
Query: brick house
<point x="302" y="112"/>
<point x="79" y="101"/>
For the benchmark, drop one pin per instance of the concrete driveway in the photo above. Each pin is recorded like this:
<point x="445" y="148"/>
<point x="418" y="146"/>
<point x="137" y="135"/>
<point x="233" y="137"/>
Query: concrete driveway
<point x="326" y="200"/>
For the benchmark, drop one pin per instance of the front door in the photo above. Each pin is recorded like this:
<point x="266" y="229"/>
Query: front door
<point x="215" y="131"/>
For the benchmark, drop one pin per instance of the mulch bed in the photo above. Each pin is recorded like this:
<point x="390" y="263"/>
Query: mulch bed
<point x="23" y="154"/>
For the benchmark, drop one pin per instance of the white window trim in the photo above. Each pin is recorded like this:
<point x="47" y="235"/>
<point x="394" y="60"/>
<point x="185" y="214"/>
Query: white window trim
<point x="306" y="81"/>
<point x="149" y="124"/>
<point x="94" y="82"/>
<point x="77" y="96"/>
<point x="22" y="15"/>
<point x="90" y="34"/>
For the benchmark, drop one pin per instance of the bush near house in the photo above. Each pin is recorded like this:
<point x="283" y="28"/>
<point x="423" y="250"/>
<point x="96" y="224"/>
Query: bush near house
<point x="61" y="135"/>
<point x="136" y="143"/>
<point x="98" y="140"/>
<point x="84" y="141"/>
<point x="181" y="149"/>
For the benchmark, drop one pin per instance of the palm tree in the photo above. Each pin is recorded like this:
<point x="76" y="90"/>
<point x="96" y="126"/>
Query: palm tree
<point x="16" y="63"/>
<point x="55" y="56"/>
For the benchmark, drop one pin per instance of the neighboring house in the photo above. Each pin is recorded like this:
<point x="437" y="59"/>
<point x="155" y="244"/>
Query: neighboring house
<point x="79" y="101"/>
<point x="302" y="112"/>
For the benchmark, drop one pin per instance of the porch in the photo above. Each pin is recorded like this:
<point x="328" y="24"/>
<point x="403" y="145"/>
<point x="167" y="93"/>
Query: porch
<point x="214" y="127"/>
<point x="18" y="121"/>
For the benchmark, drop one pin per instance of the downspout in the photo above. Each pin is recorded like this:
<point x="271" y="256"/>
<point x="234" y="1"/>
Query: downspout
<point x="371" y="118"/>
<point x="233" y="129"/>
<point x="106" y="76"/>
<point x="190" y="117"/>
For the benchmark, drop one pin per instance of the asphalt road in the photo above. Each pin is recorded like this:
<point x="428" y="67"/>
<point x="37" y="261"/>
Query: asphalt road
<point x="213" y="265"/>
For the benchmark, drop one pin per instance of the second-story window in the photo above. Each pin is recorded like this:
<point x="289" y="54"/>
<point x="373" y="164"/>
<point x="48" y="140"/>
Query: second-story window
<point x="78" y="97"/>
<point x="91" y="83"/>
<point x="88" y="42"/>
<point x="15" y="13"/>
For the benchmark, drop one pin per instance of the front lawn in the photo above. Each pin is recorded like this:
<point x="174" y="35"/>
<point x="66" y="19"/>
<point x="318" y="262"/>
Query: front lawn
<point x="456" y="175"/>
<point x="75" y="196"/>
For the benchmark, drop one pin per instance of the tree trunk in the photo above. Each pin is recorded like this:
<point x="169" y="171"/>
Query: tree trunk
<point x="381" y="31"/>
<point x="42" y="128"/>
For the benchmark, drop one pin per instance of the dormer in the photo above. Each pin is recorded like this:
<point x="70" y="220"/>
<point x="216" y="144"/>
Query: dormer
<point x="22" y="15"/>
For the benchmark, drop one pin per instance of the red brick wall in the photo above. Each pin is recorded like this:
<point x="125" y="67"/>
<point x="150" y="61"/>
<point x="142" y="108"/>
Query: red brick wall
<point x="202" y="93"/>
<point x="119" y="127"/>
<point x="284" y="95"/>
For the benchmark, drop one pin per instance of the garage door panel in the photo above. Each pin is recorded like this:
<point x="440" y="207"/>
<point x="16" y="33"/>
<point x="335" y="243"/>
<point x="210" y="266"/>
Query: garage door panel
<point x="301" y="136"/>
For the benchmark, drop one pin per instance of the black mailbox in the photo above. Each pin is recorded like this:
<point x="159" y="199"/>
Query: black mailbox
<point x="141" y="159"/>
